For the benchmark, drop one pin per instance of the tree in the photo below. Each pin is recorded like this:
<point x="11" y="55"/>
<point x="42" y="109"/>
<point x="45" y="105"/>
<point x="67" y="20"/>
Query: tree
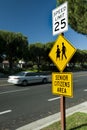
<point x="77" y="14"/>
<point x="36" y="53"/>
<point x="15" y="45"/>
<point x="2" y="47"/>
<point x="22" y="46"/>
<point x="47" y="47"/>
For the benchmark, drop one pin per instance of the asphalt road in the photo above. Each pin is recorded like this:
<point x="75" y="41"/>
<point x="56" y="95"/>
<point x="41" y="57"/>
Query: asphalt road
<point x="22" y="105"/>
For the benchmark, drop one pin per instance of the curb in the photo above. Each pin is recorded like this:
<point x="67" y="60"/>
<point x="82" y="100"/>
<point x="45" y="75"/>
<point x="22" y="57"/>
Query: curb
<point x="39" y="124"/>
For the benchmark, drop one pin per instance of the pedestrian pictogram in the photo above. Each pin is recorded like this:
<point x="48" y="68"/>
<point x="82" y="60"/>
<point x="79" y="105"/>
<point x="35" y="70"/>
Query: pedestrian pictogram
<point x="62" y="52"/>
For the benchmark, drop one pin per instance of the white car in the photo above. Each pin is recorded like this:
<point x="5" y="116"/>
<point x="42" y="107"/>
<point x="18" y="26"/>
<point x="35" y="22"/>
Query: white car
<point x="24" y="78"/>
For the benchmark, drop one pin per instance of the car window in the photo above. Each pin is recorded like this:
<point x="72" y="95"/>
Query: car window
<point x="30" y="74"/>
<point x="20" y="74"/>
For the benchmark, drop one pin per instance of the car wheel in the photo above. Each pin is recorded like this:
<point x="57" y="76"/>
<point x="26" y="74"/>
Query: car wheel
<point x="25" y="83"/>
<point x="44" y="80"/>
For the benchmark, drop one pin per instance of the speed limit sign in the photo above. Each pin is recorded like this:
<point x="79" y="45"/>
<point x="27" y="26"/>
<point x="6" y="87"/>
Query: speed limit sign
<point x="60" y="19"/>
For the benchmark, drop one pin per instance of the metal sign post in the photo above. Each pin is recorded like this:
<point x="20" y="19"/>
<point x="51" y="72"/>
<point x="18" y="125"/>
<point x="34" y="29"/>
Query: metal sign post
<point x="61" y="53"/>
<point x="62" y="82"/>
<point x="63" y="113"/>
<point x="63" y="110"/>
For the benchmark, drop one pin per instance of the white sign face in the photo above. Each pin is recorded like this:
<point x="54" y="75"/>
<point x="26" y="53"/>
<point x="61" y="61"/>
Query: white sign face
<point x="60" y="19"/>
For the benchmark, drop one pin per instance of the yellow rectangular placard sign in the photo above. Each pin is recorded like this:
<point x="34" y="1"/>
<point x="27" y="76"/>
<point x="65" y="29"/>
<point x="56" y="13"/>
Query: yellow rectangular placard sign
<point x="62" y="84"/>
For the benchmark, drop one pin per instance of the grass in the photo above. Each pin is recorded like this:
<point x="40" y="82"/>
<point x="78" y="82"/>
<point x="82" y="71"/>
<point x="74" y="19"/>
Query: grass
<point x="77" y="121"/>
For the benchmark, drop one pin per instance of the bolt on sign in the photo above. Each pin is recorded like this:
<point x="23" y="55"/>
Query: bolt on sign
<point x="61" y="52"/>
<point x="62" y="84"/>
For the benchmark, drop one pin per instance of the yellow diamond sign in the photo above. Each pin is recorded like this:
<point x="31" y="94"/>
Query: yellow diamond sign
<point x="61" y="52"/>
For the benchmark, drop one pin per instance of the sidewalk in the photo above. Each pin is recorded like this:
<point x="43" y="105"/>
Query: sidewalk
<point x="39" y="124"/>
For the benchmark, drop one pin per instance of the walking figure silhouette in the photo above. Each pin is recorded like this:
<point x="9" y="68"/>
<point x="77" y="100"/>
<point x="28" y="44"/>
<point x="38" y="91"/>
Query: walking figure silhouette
<point x="58" y="53"/>
<point x="63" y="51"/>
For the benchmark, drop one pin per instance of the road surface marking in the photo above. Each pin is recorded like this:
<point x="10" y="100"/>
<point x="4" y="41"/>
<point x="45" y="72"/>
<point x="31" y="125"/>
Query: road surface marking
<point x="85" y="90"/>
<point x="13" y="91"/>
<point x="52" y="99"/>
<point x="81" y="75"/>
<point x="4" y="112"/>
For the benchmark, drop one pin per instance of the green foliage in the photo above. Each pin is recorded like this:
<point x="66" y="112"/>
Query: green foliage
<point x="14" y="45"/>
<point x="77" y="121"/>
<point x="77" y="14"/>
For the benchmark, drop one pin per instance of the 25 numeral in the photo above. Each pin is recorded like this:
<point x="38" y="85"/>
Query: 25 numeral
<point x="63" y="24"/>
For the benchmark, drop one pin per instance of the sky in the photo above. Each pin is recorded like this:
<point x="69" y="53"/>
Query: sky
<point x="33" y="18"/>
